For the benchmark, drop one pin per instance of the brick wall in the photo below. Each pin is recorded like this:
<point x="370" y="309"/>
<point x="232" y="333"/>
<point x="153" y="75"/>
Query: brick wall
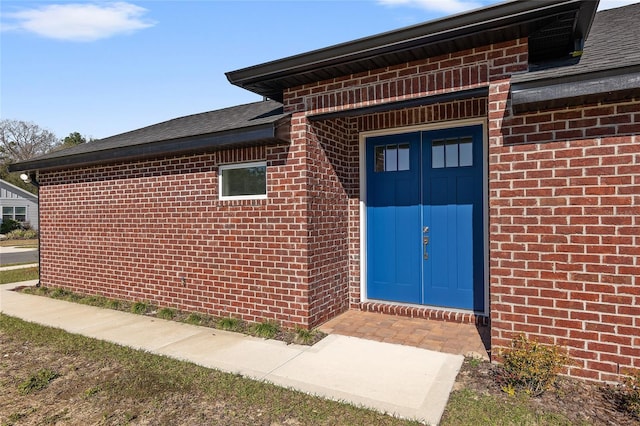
<point x="565" y="245"/>
<point x="156" y="231"/>
<point x="564" y="199"/>
<point x="333" y="146"/>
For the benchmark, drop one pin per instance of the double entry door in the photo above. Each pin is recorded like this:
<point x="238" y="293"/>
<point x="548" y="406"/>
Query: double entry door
<point x="424" y="218"/>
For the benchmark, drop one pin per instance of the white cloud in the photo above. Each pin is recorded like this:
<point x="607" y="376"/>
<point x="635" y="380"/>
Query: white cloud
<point x="80" y="22"/>
<point x="610" y="4"/>
<point x="446" y="6"/>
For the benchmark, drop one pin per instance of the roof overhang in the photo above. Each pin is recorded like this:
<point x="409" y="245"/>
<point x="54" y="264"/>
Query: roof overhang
<point x="270" y="133"/>
<point x="603" y="86"/>
<point x="493" y="24"/>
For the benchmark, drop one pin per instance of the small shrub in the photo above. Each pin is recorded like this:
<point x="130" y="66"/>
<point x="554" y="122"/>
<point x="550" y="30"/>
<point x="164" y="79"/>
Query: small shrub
<point x="267" y="329"/>
<point x="37" y="381"/>
<point x="166" y="313"/>
<point x="22" y="234"/>
<point x="112" y="304"/>
<point x="59" y="293"/>
<point x="230" y="324"/>
<point x="194" y="319"/>
<point x="8" y="225"/>
<point x="304" y="336"/>
<point x="530" y="367"/>
<point x="139" y="308"/>
<point x="630" y="392"/>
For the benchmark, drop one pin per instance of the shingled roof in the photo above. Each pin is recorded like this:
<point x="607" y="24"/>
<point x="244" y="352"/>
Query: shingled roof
<point x="255" y="123"/>
<point x="609" y="67"/>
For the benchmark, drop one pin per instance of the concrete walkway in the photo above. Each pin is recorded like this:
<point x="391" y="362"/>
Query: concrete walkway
<point x="405" y="381"/>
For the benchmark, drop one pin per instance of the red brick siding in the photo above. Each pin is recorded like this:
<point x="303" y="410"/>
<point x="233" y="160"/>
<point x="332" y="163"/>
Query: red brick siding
<point x="330" y="189"/>
<point x="136" y="230"/>
<point x="333" y="146"/>
<point x="565" y="246"/>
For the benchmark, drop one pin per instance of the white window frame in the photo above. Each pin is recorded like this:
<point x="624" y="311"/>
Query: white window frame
<point x="14" y="214"/>
<point x="224" y="167"/>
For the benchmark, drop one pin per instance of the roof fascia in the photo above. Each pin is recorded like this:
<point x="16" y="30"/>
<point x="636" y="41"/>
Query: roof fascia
<point x="491" y="17"/>
<point x="263" y="134"/>
<point x="577" y="89"/>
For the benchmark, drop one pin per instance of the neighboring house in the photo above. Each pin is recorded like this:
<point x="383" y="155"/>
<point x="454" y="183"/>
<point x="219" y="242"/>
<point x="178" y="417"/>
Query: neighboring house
<point x="18" y="204"/>
<point x="479" y="168"/>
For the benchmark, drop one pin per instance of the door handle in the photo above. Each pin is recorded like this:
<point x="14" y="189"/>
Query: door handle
<point x="425" y="242"/>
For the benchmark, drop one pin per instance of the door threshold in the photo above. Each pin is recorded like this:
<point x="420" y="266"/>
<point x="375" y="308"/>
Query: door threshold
<point x="425" y="312"/>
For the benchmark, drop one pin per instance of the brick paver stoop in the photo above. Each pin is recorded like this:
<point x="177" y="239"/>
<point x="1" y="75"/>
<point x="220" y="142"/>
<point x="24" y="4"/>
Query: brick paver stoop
<point x="441" y="336"/>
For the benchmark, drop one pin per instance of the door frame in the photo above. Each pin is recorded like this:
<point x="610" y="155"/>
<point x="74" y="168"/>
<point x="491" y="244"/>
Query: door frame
<point x="485" y="199"/>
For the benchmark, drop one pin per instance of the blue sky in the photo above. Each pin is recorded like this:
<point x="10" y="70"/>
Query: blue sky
<point x="102" y="68"/>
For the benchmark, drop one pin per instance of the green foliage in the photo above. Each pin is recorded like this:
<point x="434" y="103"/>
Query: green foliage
<point x="304" y="337"/>
<point x="230" y="324"/>
<point x="629" y="392"/>
<point x="73" y="139"/>
<point x="194" y="319"/>
<point x="139" y="308"/>
<point x="166" y="313"/>
<point x="267" y="329"/>
<point x="112" y="304"/>
<point x="37" y="381"/>
<point x="22" y="234"/>
<point x="60" y="293"/>
<point x="9" y="225"/>
<point x="530" y="367"/>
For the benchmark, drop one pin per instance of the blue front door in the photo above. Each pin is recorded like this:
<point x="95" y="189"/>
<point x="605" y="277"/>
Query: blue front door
<point x="425" y="218"/>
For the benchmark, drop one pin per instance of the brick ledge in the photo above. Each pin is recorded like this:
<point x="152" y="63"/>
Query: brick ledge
<point x="425" y="313"/>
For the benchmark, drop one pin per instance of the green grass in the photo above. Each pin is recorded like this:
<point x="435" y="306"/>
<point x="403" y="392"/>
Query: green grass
<point x="20" y="243"/>
<point x="303" y="336"/>
<point x="467" y="407"/>
<point x="267" y="329"/>
<point x="139" y="308"/>
<point x="194" y="319"/>
<point x="19" y="275"/>
<point x="37" y="381"/>
<point x="166" y="313"/>
<point x="229" y="324"/>
<point x="155" y="389"/>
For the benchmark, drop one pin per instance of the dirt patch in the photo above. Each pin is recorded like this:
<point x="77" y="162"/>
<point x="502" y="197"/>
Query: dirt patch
<point x="579" y="401"/>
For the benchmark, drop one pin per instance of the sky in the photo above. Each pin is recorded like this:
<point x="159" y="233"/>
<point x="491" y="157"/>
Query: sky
<point x="102" y="68"/>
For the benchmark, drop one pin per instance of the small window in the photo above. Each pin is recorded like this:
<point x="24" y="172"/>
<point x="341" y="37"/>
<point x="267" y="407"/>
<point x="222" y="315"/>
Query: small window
<point x="243" y="181"/>
<point x="392" y="158"/>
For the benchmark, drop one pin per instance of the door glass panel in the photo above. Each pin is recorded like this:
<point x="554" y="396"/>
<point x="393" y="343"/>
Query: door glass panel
<point x="456" y="152"/>
<point x="437" y="154"/>
<point x="403" y="156"/>
<point x="451" y="154"/>
<point x="379" y="153"/>
<point x="391" y="158"/>
<point x="466" y="152"/>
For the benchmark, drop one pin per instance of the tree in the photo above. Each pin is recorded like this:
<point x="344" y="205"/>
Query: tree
<point x="73" y="139"/>
<point x="22" y="140"/>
